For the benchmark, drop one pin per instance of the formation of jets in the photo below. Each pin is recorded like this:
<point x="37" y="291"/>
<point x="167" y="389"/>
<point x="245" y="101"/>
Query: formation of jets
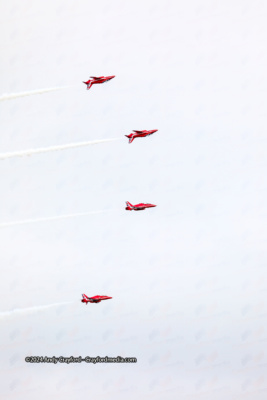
<point x="94" y="299"/>
<point x="130" y="207"/>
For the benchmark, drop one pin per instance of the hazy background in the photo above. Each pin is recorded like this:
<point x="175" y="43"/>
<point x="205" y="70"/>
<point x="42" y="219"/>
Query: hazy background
<point x="188" y="278"/>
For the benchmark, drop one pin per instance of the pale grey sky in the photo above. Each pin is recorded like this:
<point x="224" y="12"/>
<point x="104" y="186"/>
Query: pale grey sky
<point x="188" y="278"/>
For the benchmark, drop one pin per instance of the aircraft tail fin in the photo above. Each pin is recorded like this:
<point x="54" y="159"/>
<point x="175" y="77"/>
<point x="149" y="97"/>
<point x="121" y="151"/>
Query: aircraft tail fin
<point x="131" y="138"/>
<point x="128" y="204"/>
<point x="89" y="84"/>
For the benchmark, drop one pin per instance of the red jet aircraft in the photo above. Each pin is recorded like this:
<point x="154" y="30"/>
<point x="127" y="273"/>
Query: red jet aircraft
<point x="137" y="134"/>
<point x="94" y="80"/>
<point x="138" y="207"/>
<point x="95" y="299"/>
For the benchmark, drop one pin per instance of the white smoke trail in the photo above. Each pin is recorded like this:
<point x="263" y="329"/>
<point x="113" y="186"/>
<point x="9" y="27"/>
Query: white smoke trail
<point x="19" y="311"/>
<point x="12" y="96"/>
<point x="30" y="221"/>
<point x="53" y="148"/>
